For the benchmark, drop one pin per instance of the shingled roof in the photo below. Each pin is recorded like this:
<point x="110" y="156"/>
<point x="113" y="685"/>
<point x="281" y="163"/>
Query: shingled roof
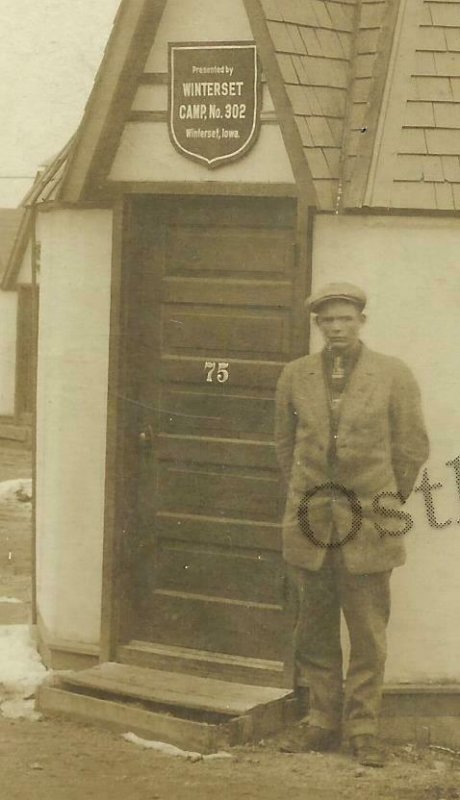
<point x="375" y="89"/>
<point x="372" y="88"/>
<point x="313" y="41"/>
<point x="427" y="165"/>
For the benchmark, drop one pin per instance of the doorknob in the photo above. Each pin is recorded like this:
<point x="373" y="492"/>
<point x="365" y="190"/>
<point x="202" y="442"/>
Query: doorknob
<point x="146" y="437"/>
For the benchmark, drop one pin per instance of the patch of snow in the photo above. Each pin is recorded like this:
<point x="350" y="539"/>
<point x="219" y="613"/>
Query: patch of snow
<point x="20" y="709"/>
<point x="16" y="491"/>
<point x="171" y="750"/>
<point x="214" y="756"/>
<point x="12" y="600"/>
<point x="21" y="672"/>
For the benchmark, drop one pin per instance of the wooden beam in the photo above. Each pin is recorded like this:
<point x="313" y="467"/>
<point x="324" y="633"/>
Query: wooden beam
<point x="154" y="79"/>
<point x="255" y="671"/>
<point x="114" y="460"/>
<point x="35" y="328"/>
<point x="196" y="736"/>
<point x="209" y="188"/>
<point x="267" y="117"/>
<point x="300" y="337"/>
<point x="355" y="194"/>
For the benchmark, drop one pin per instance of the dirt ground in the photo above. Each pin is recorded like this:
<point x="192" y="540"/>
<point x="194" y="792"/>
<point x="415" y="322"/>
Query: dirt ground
<point x="60" y="760"/>
<point x="57" y="759"/>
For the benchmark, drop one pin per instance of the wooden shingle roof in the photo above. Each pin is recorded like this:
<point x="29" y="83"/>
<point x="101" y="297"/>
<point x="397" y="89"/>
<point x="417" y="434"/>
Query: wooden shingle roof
<point x="368" y="98"/>
<point x="313" y="41"/>
<point x="375" y="90"/>
<point x="414" y="162"/>
<point x="428" y="162"/>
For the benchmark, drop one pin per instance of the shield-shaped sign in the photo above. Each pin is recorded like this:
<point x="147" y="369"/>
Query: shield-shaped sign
<point x="214" y="100"/>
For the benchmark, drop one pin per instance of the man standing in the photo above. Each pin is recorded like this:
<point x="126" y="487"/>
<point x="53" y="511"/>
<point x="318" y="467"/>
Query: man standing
<point x="350" y="440"/>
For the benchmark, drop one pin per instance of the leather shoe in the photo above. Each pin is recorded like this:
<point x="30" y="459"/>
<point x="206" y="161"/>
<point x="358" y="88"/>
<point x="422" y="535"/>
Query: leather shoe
<point x="368" y="750"/>
<point x="307" y="738"/>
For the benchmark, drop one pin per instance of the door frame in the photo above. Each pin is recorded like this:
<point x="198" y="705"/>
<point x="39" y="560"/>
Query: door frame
<point x="112" y="572"/>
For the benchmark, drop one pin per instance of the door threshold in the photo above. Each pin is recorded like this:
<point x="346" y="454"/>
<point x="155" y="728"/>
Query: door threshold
<point x="223" y="666"/>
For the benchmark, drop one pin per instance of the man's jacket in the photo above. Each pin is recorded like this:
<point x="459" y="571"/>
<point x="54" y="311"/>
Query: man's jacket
<point x="381" y="443"/>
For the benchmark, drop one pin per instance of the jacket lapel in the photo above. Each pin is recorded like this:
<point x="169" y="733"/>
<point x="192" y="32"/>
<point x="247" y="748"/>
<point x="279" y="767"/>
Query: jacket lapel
<point x="313" y="390"/>
<point x="361" y="386"/>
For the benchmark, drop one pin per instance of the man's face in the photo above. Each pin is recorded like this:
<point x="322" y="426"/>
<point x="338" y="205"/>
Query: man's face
<point x="340" y="323"/>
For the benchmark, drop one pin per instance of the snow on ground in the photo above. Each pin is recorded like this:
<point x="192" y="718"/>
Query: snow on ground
<point x="16" y="491"/>
<point x="171" y="749"/>
<point x="21" y="672"/>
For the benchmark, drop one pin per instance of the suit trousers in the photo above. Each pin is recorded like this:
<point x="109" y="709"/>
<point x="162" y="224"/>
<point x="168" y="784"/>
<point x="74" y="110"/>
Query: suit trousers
<point x="317" y="599"/>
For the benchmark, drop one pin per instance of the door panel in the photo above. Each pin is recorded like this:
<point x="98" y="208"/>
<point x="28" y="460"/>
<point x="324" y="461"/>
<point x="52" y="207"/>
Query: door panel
<point x="233" y="415"/>
<point x="232" y="332"/>
<point x="211" y="283"/>
<point x="218" y="491"/>
<point x="185" y="567"/>
<point x="219" y="251"/>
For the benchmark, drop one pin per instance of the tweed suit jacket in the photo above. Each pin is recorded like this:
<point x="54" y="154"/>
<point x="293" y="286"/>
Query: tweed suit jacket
<point x="380" y="446"/>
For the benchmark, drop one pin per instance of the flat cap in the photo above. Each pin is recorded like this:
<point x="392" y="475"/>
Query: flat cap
<point x="337" y="291"/>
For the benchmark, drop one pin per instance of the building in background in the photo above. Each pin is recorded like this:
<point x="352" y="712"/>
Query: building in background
<point x="200" y="201"/>
<point x="17" y="326"/>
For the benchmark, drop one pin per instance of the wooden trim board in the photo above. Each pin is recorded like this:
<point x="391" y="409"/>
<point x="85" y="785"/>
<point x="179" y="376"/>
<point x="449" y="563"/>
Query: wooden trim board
<point x="208" y="188"/>
<point x="114" y="455"/>
<point x="60" y="654"/>
<point x="182" y="733"/>
<point x="200" y="662"/>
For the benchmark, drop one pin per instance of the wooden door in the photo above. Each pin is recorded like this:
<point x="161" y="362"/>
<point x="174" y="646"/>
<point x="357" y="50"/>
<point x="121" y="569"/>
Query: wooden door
<point x="211" y="284"/>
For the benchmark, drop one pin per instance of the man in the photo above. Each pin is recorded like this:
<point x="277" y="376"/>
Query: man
<point x="350" y="440"/>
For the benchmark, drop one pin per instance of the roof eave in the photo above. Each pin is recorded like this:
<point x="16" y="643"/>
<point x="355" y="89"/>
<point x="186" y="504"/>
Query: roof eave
<point x="111" y="97"/>
<point x="13" y="266"/>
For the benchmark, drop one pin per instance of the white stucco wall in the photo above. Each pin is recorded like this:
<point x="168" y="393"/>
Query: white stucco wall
<point x="71" y="419"/>
<point x="410" y="268"/>
<point x="8" y="318"/>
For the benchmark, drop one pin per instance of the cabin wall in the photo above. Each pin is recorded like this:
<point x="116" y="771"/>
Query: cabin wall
<point x="71" y="419"/>
<point x="409" y="267"/>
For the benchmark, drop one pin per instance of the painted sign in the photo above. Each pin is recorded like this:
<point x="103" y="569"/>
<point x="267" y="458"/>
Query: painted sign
<point x="214" y="100"/>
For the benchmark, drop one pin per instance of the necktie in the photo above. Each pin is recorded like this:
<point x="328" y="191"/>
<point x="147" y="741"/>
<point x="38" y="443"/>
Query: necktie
<point x="337" y="382"/>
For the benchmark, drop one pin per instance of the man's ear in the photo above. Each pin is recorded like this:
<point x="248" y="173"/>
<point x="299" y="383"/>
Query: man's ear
<point x="316" y="321"/>
<point x="363" y="319"/>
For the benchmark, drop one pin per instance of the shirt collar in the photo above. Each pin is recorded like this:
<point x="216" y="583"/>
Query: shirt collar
<point x="349" y="356"/>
